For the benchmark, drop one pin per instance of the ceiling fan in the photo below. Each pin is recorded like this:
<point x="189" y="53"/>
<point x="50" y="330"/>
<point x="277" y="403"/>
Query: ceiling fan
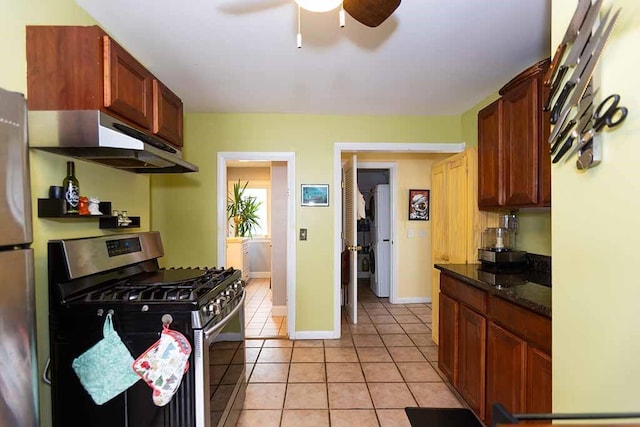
<point x="370" y="12"/>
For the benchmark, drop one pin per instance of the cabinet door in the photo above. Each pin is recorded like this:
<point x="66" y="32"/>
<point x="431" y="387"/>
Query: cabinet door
<point x="457" y="212"/>
<point x="521" y="142"/>
<point x="439" y="241"/>
<point x="245" y="260"/>
<point x="448" y="345"/>
<point x="545" y="157"/>
<point x="538" y="381"/>
<point x="506" y="363"/>
<point x="490" y="153"/>
<point x="127" y="85"/>
<point x="167" y="114"/>
<point x="472" y="338"/>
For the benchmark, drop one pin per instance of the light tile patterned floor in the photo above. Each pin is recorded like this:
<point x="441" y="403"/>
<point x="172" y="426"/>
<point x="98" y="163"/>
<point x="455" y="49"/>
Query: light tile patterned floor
<point x="366" y="378"/>
<point x="259" y="321"/>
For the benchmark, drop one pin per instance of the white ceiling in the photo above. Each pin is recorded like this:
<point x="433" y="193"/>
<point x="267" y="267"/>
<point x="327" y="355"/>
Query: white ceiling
<point x="430" y="58"/>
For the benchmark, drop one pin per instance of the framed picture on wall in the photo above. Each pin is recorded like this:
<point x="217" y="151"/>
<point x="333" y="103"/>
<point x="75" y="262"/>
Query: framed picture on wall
<point x="419" y="205"/>
<point x="315" y="194"/>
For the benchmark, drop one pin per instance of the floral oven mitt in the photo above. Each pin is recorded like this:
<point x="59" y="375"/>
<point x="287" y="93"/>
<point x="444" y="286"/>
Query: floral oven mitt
<point x="163" y="365"/>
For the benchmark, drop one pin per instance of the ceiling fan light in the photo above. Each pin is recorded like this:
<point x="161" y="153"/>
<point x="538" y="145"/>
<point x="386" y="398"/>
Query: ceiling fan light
<point x="318" y="5"/>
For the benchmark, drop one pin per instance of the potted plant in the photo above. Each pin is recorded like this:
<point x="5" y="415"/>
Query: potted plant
<point x="243" y="209"/>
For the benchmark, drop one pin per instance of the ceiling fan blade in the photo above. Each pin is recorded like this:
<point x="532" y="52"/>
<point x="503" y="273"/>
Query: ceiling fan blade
<point x="370" y="12"/>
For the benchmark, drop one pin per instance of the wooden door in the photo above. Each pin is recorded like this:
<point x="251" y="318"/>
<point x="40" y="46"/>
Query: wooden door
<point x="127" y="85"/>
<point x="472" y="338"/>
<point x="521" y="142"/>
<point x="448" y="345"/>
<point x="457" y="215"/>
<point x="167" y="114"/>
<point x="350" y="233"/>
<point x="490" y="153"/>
<point x="439" y="240"/>
<point x="538" y="381"/>
<point x="506" y="370"/>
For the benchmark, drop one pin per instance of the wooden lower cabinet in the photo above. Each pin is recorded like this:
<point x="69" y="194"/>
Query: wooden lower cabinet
<point x="448" y="347"/>
<point x="538" y="381"/>
<point x="506" y="370"/>
<point x="472" y="338"/>
<point x="493" y="351"/>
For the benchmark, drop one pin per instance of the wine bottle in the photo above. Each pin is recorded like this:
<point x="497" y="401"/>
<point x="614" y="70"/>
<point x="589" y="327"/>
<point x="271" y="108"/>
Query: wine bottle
<point x="71" y="190"/>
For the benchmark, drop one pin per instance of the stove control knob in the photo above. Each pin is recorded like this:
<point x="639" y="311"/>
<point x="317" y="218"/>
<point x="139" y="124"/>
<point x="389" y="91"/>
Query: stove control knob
<point x="222" y="301"/>
<point x="230" y="293"/>
<point x="215" y="307"/>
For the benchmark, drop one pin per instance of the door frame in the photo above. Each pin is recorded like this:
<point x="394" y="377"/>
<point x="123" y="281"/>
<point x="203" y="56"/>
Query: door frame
<point x="370" y="147"/>
<point x="221" y="235"/>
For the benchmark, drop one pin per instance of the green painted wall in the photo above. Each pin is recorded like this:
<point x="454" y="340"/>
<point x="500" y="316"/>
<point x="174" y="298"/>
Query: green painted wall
<point x="123" y="189"/>
<point x="184" y="206"/>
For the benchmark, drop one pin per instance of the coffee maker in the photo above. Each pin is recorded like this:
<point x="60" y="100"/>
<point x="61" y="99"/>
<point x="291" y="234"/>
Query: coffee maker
<point x="499" y="243"/>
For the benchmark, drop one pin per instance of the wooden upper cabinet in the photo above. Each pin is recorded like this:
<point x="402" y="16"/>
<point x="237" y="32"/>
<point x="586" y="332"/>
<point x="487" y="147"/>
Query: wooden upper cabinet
<point x="82" y="68"/>
<point x="490" y="151"/>
<point x="127" y="85"/>
<point x="167" y="114"/>
<point x="514" y="166"/>
<point x="521" y="140"/>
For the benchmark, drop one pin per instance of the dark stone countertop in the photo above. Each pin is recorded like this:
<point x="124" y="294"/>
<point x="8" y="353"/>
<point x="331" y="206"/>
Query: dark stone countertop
<point x="520" y="288"/>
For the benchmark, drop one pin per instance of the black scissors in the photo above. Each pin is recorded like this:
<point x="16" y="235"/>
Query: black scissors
<point x="612" y="116"/>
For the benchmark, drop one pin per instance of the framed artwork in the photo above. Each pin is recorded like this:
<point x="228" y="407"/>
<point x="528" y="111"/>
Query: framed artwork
<point x="419" y="205"/>
<point x="315" y="194"/>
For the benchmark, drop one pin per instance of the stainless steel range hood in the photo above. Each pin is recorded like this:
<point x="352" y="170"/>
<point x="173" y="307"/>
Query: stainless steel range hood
<point x="95" y="136"/>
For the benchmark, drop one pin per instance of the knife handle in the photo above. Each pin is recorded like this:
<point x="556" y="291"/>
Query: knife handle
<point x="554" y="87"/>
<point x="567" y="145"/>
<point x="554" y="64"/>
<point x="562" y="135"/>
<point x="562" y="98"/>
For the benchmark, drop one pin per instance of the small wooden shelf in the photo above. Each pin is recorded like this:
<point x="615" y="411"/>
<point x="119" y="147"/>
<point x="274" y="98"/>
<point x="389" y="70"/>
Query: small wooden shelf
<point x="112" y="222"/>
<point x="54" y="208"/>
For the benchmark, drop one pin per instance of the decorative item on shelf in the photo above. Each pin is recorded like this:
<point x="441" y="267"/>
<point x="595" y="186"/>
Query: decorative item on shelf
<point x="83" y="205"/>
<point x="71" y="188"/>
<point x="94" y="206"/>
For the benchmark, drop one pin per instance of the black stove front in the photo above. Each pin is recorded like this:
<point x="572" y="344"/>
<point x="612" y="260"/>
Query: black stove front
<point x="119" y="274"/>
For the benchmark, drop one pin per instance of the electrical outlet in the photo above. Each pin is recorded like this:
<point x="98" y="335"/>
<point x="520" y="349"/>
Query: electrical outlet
<point x="303" y="234"/>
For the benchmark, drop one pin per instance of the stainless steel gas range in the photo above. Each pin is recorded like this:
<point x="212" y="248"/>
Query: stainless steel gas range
<point x="120" y="274"/>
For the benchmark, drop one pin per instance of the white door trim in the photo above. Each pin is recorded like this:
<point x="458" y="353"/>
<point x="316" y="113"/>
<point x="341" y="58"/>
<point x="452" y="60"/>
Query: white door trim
<point x="390" y="147"/>
<point x="290" y="158"/>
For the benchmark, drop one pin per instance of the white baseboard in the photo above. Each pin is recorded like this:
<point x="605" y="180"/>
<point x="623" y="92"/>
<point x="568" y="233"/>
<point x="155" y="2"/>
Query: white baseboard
<point x="279" y="310"/>
<point x="412" y="300"/>
<point x="316" y="335"/>
<point x="260" y="275"/>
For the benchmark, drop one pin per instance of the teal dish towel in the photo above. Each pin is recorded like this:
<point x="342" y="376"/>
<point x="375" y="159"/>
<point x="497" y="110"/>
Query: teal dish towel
<point x="105" y="369"/>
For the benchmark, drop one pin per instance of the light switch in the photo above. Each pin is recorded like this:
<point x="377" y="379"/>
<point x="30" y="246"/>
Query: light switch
<point x="411" y="233"/>
<point x="423" y="234"/>
<point x="303" y="234"/>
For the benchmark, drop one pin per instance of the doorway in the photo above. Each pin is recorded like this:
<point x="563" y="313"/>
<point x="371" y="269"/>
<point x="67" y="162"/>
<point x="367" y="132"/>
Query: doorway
<point x="348" y="240"/>
<point x="271" y="282"/>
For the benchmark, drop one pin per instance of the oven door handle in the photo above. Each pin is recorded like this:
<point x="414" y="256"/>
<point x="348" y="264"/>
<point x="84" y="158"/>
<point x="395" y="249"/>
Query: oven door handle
<point x="209" y="332"/>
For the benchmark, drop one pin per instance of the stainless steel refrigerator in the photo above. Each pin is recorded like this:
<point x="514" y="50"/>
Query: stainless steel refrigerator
<point x="18" y="362"/>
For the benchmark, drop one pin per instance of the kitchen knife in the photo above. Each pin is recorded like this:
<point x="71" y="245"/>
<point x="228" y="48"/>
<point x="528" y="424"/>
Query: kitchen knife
<point x="563" y="134"/>
<point x="583" y="123"/>
<point x="569" y="37"/>
<point x="579" y="84"/>
<point x="584" y="103"/>
<point x="576" y="50"/>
